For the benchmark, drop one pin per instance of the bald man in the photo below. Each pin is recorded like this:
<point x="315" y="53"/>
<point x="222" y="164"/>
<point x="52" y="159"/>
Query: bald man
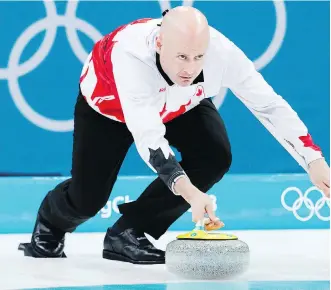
<point x="149" y="83"/>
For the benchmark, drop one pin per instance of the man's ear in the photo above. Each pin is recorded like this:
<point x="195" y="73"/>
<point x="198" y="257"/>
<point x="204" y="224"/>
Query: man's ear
<point x="158" y="44"/>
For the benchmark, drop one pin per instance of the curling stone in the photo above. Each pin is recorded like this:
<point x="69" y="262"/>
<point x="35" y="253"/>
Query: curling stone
<point x="207" y="256"/>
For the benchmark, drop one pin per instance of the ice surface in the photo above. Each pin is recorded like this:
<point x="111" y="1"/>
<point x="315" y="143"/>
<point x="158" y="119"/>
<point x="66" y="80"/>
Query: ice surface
<point x="293" y="255"/>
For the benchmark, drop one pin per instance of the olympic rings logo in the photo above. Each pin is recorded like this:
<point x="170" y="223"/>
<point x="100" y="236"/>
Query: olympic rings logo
<point x="304" y="200"/>
<point x="71" y="23"/>
<point x="15" y="70"/>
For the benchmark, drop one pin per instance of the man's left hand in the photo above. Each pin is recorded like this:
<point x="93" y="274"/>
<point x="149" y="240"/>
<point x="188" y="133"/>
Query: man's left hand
<point x="319" y="173"/>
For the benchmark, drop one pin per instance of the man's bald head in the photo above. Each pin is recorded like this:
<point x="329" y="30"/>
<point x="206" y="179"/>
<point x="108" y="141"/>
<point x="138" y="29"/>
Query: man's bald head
<point x="182" y="43"/>
<point x="183" y="21"/>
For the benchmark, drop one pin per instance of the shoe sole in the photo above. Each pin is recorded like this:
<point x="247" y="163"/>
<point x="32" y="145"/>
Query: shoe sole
<point x="118" y="257"/>
<point x="29" y="251"/>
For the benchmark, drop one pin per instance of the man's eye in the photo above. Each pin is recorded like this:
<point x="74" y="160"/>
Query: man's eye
<point x="182" y="57"/>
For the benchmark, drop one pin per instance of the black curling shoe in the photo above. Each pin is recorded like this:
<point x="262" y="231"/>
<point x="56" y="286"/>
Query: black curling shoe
<point x="45" y="242"/>
<point x="130" y="246"/>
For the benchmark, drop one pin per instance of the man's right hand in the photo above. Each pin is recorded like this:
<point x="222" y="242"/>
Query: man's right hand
<point x="200" y="202"/>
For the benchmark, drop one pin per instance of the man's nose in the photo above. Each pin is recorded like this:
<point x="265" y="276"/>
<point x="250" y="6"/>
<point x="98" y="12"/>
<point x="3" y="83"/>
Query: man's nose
<point x="189" y="69"/>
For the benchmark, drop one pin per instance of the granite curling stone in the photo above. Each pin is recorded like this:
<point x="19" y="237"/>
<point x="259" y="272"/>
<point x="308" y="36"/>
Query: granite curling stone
<point x="208" y="257"/>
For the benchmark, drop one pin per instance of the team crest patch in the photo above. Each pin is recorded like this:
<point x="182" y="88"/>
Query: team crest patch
<point x="200" y="92"/>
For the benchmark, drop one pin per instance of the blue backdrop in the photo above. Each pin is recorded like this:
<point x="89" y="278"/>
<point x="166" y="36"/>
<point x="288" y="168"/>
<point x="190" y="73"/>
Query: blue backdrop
<point x="242" y="202"/>
<point x="41" y="55"/>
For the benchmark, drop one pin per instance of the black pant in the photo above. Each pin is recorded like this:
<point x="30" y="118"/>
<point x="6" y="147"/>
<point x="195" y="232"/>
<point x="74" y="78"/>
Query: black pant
<point x="99" y="148"/>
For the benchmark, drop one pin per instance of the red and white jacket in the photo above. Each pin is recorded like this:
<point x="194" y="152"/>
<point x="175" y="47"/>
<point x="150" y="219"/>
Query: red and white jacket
<point x="122" y="80"/>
